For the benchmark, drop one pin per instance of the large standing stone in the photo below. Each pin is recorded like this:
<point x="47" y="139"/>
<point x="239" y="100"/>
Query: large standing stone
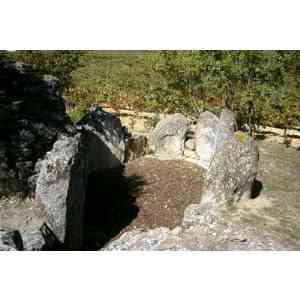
<point x="166" y="141"/>
<point x="105" y="140"/>
<point x="232" y="172"/>
<point x="226" y="127"/>
<point x="205" y="137"/>
<point x="60" y="190"/>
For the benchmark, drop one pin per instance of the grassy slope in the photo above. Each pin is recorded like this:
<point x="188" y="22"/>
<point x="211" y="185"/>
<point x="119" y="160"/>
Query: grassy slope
<point x="122" y="69"/>
<point x="125" y="79"/>
<point x="116" y="78"/>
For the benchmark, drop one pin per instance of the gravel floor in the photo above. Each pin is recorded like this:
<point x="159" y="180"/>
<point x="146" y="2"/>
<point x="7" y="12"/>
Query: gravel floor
<point x="170" y="186"/>
<point x="145" y="194"/>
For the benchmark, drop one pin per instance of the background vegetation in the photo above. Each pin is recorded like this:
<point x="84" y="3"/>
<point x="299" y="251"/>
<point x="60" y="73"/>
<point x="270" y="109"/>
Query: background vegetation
<point x="57" y="63"/>
<point x="261" y="85"/>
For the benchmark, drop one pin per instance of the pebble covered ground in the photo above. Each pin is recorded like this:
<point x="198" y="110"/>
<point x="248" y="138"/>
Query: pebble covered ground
<point x="169" y="187"/>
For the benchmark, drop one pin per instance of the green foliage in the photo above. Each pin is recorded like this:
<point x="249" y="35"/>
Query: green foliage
<point x="77" y="113"/>
<point x="57" y="63"/>
<point x="183" y="81"/>
<point x="115" y="78"/>
<point x="268" y="80"/>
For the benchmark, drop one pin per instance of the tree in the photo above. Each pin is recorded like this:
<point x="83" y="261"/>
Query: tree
<point x="257" y="85"/>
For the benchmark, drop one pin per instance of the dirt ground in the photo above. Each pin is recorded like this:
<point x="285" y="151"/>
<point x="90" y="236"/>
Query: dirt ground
<point x="277" y="208"/>
<point x="170" y="186"/>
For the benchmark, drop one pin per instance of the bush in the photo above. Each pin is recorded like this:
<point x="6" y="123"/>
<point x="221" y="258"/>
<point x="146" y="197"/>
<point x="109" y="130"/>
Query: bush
<point x="262" y="87"/>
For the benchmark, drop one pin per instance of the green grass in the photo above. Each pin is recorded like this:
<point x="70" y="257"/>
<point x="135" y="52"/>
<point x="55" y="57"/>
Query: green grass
<point x="121" y="79"/>
<point x="126" y="70"/>
<point x="127" y="79"/>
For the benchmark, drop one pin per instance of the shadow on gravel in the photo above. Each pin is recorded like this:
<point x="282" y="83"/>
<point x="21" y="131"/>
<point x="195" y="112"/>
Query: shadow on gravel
<point x="256" y="188"/>
<point x="110" y="206"/>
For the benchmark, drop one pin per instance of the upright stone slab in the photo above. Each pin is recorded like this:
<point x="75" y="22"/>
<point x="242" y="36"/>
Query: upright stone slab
<point x="166" y="141"/>
<point x="231" y="173"/>
<point x="105" y="140"/>
<point x="60" y="190"/>
<point x="226" y="127"/>
<point x="205" y="137"/>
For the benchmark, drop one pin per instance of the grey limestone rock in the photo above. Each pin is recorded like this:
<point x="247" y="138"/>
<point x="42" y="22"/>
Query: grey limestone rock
<point x="232" y="172"/>
<point x="205" y="137"/>
<point x="105" y="140"/>
<point x="160" y="238"/>
<point x="166" y="141"/>
<point x="226" y="127"/>
<point x="33" y="240"/>
<point x="60" y="190"/>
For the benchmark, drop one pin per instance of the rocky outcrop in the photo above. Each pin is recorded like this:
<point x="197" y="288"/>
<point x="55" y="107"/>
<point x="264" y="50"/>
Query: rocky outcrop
<point x="32" y="114"/>
<point x="166" y="141"/>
